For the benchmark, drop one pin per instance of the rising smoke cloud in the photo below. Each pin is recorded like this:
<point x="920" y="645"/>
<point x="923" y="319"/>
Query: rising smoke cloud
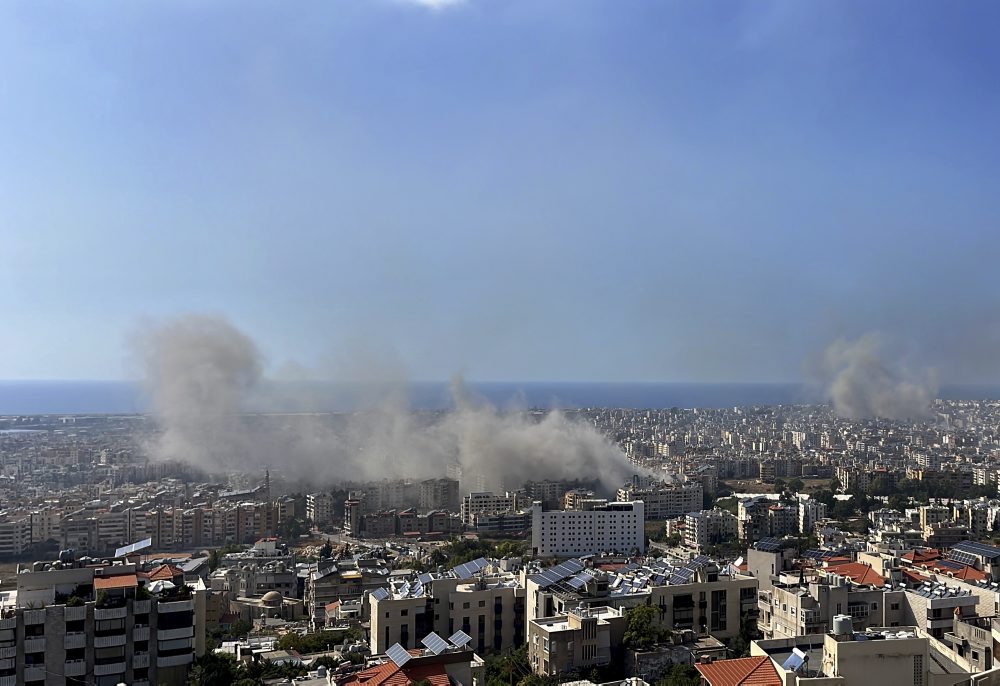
<point x="202" y="373"/>
<point x="863" y="379"/>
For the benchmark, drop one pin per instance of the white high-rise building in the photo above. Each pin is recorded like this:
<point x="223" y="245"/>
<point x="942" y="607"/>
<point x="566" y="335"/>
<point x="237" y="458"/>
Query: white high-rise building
<point x="611" y="528"/>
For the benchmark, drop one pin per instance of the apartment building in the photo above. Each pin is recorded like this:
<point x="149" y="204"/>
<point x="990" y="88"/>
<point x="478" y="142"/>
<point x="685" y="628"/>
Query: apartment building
<point x="439" y="494"/>
<point x="97" y="626"/>
<point x="343" y="580"/>
<point x="15" y="534"/>
<point x="614" y="527"/>
<point x="577" y="641"/>
<point x="319" y="508"/>
<point x="664" y="500"/>
<point x="709" y="527"/>
<point x="477" y="598"/>
<point x="486" y="502"/>
<point x="693" y="596"/>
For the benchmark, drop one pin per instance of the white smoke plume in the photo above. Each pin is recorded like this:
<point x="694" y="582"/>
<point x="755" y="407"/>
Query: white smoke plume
<point x="862" y="379"/>
<point x="202" y="373"/>
<point x="198" y="370"/>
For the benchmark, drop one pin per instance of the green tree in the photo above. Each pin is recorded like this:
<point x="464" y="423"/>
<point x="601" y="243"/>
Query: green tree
<point x="779" y="485"/>
<point x="681" y="675"/>
<point x="740" y="645"/>
<point x="730" y="505"/>
<point x="796" y="485"/>
<point x="213" y="668"/>
<point x="326" y="551"/>
<point x="293" y="527"/>
<point x="641" y="631"/>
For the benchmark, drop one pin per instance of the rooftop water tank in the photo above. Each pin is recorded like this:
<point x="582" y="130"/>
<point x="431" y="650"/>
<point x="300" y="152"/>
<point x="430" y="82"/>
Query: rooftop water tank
<point x="843" y="625"/>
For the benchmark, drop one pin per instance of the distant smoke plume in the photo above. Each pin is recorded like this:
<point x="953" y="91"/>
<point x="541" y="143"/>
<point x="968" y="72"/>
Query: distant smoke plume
<point x="202" y="373"/>
<point x="861" y="380"/>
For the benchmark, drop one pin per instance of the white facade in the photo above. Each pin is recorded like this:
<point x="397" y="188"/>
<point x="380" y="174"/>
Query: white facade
<point x="319" y="508"/>
<point x="614" y="528"/>
<point x="664" y="501"/>
<point x="486" y="503"/>
<point x="708" y="527"/>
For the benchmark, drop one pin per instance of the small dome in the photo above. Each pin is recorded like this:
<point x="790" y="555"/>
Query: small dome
<point x="272" y="598"/>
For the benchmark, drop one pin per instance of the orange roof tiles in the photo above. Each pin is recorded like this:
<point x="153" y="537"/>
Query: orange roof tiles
<point x="966" y="573"/>
<point x="164" y="573"/>
<point x="743" y="671"/>
<point x="859" y="573"/>
<point x="922" y="555"/>
<point x="913" y="576"/>
<point x="120" y="581"/>
<point x="391" y="675"/>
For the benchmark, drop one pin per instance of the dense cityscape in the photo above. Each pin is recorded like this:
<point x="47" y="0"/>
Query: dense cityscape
<point x="783" y="542"/>
<point x="499" y="343"/>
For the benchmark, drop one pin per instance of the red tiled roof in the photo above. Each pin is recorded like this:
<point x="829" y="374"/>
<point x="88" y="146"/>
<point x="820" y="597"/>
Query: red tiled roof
<point x="391" y="675"/>
<point x="859" y="573"/>
<point x="922" y="555"/>
<point x="743" y="671"/>
<point x="966" y="573"/>
<point x="164" y="573"/>
<point x="120" y="581"/>
<point x="913" y="576"/>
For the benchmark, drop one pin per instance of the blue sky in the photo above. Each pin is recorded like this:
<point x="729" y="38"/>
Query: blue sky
<point x="519" y="190"/>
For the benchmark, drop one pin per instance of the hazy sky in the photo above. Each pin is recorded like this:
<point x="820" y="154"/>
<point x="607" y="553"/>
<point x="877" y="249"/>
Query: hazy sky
<point x="516" y="189"/>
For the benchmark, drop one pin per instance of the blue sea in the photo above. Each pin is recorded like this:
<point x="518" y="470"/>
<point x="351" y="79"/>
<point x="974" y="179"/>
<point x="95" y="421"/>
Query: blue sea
<point x="122" y="397"/>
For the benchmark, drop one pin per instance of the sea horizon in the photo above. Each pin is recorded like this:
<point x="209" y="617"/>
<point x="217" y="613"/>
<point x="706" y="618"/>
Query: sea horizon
<point x="50" y="396"/>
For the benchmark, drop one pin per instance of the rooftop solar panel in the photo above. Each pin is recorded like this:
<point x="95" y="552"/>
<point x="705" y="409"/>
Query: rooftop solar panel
<point x="470" y="569"/>
<point x="460" y="639"/>
<point x="793" y="662"/>
<point x="435" y="643"/>
<point x="398" y="654"/>
<point x="768" y="545"/>
<point x="978" y="549"/>
<point x="134" y="547"/>
<point x="963" y="557"/>
<point x="381" y="593"/>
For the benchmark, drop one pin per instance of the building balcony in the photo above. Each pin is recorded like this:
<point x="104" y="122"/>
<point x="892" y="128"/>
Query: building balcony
<point x="140" y="661"/>
<point x="140" y="633"/>
<point x="110" y="612"/>
<point x="75" y="667"/>
<point x="141" y="607"/>
<point x="75" y="639"/>
<point x="75" y="614"/>
<point x="109" y="668"/>
<point x="8" y="681"/>
<point x="8" y="663"/>
<point x="34" y="674"/>
<point x="8" y="623"/>
<point x="34" y="617"/>
<point x="109" y="641"/>
<point x="168" y="634"/>
<point x="175" y="660"/>
<point x="8" y="652"/>
<point x="34" y="645"/>
<point x="175" y="606"/>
